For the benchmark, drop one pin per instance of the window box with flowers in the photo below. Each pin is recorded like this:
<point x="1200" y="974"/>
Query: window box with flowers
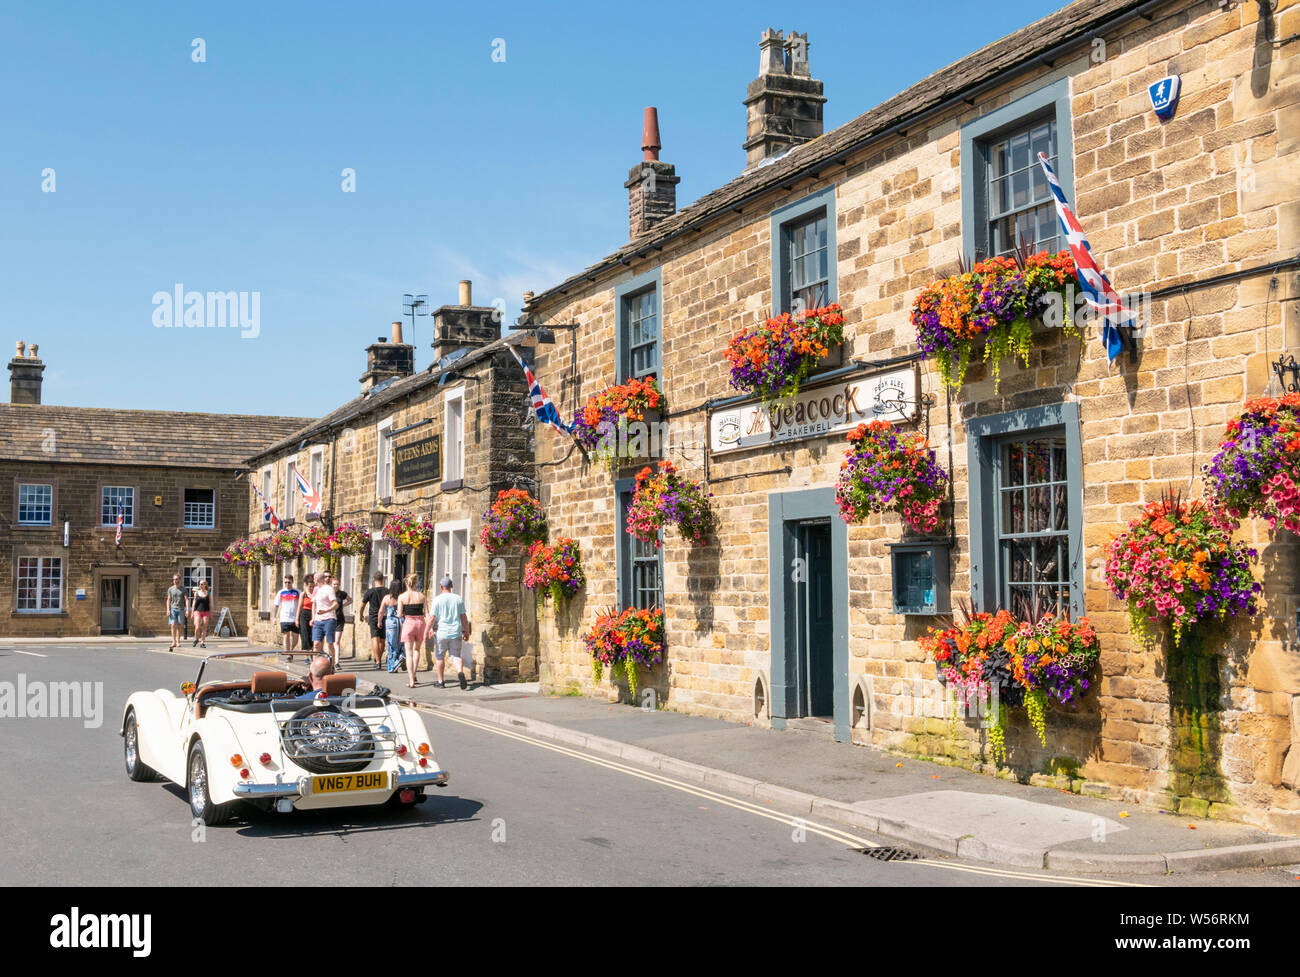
<point x="619" y="424"/>
<point x="992" y="661"/>
<point x="772" y="359"/>
<point x="998" y="304"/>
<point x="625" y="641"/>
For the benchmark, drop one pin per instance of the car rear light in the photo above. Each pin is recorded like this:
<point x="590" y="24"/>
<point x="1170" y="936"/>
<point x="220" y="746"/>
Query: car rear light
<point x="236" y="760"/>
<point x="244" y="773"/>
<point x="423" y="749"/>
<point x="265" y="758"/>
<point x="401" y="749"/>
<point x="424" y="761"/>
<point x="408" y="796"/>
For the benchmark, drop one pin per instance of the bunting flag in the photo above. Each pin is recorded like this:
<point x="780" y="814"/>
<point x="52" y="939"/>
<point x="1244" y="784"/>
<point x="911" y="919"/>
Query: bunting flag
<point x="310" y="497"/>
<point x="121" y="518"/>
<point x="542" y="406"/>
<point x="1097" y="290"/>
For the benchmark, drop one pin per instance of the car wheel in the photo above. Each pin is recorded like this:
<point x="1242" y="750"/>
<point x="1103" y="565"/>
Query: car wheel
<point x="136" y="768"/>
<point x="197" y="784"/>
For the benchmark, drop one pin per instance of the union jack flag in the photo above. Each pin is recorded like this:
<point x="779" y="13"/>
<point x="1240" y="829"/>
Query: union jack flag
<point x="542" y="406"/>
<point x="268" y="510"/>
<point x="121" y="518"/>
<point x="310" y="497"/>
<point x="1097" y="290"/>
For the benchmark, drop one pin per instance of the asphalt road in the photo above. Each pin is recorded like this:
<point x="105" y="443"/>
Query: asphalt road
<point x="518" y="812"/>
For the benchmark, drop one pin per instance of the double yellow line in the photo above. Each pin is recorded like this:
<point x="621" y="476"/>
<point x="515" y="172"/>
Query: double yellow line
<point x="838" y="835"/>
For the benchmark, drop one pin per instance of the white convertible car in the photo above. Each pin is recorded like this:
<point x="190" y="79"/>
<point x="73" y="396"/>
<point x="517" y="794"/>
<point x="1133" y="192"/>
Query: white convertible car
<point x="269" y="742"/>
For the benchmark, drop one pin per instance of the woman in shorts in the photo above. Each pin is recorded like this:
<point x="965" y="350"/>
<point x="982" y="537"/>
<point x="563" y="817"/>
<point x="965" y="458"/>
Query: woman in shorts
<point x="410" y="608"/>
<point x="202" y="607"/>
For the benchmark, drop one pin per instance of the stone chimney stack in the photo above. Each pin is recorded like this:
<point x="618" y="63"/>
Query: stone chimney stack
<point x="387" y="359"/>
<point x="784" y="103"/>
<point x="25" y="371"/>
<point x="651" y="184"/>
<point x="465" y="325"/>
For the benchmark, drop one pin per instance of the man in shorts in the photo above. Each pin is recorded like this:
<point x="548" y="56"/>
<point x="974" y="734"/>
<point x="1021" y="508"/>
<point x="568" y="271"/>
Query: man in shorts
<point x="370" y="602"/>
<point x="450" y="626"/>
<point x="324" y="624"/>
<point x="176" y="610"/>
<point x="287" y="602"/>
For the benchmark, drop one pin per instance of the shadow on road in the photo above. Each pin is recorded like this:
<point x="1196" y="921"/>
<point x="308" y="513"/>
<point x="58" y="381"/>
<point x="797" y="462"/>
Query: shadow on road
<point x="441" y="808"/>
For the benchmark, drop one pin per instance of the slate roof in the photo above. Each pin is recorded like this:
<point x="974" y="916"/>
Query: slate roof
<point x="1077" y="21"/>
<point x="100" y="435"/>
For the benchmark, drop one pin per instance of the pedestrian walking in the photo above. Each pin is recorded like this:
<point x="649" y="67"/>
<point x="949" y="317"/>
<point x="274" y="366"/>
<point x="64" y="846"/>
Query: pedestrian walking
<point x="451" y="627"/>
<point x="176" y="610"/>
<point x="305" y="612"/>
<point x="410" y="607"/>
<point x="202" y="610"/>
<point x="324" y="608"/>
<point x="370" y="602"/>
<point x="286" y="601"/>
<point x="393" y="627"/>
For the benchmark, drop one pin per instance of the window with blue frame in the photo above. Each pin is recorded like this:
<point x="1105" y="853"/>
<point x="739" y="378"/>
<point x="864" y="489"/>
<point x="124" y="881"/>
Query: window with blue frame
<point x="803" y="254"/>
<point x="1006" y="199"/>
<point x="1026" y="511"/>
<point x="638" y="338"/>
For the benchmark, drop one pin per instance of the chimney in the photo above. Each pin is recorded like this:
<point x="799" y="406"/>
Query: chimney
<point x="387" y="359"/>
<point x="465" y="325"/>
<point x="784" y="103"/>
<point x="651" y="184"/>
<point x="25" y="371"/>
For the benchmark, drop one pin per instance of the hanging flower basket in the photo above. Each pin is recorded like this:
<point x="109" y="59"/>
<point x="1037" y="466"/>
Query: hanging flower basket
<point x="626" y="640"/>
<point x="406" y="531"/>
<point x="1257" y="470"/>
<point x="240" y="555"/>
<point x="554" y="571"/>
<point x="666" y="498"/>
<point x="1177" y="567"/>
<point x="771" y="360"/>
<point x="314" y="541"/>
<point x="618" y="424"/>
<point x="1051" y="660"/>
<point x="349" y="539"/>
<point x="886" y="471"/>
<point x="281" y="546"/>
<point x="514" y="519"/>
<point x="997" y="303"/>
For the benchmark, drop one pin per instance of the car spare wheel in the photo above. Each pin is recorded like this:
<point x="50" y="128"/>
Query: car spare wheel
<point x="327" y="739"/>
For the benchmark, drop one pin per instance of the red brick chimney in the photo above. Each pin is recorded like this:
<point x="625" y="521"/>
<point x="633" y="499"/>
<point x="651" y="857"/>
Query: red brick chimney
<point x="651" y="184"/>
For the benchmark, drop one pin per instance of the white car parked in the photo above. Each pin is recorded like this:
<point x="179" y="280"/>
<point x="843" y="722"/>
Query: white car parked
<point x="271" y="742"/>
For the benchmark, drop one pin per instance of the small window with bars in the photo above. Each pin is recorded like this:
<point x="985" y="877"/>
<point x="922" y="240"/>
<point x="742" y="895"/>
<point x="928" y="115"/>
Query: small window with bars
<point x="35" y="505"/>
<point x="641" y="336"/>
<point x="114" y="496"/>
<point x="1019" y="200"/>
<point x="805" y="264"/>
<point x="1034" y="525"/>
<point x="200" y="508"/>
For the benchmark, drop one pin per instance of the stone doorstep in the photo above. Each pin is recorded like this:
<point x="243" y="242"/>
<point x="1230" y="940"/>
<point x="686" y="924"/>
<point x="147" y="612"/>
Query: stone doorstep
<point x="1206" y="860"/>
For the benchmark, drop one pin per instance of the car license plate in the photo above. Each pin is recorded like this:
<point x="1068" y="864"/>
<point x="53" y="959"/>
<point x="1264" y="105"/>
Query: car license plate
<point x="339" y="782"/>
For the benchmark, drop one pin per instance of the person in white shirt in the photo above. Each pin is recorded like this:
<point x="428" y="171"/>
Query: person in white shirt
<point x="324" y="621"/>
<point x="286" y="601"/>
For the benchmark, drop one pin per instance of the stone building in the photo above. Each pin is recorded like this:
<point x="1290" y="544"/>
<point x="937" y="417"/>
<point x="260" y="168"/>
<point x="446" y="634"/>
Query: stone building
<point x="1200" y="213"/>
<point x="63" y="473"/>
<point x="439" y="444"/>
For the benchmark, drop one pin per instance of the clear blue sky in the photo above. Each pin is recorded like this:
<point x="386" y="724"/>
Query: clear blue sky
<point x="226" y="175"/>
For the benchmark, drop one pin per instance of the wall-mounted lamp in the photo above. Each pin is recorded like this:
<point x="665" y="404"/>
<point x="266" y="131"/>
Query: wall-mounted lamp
<point x="1287" y="371"/>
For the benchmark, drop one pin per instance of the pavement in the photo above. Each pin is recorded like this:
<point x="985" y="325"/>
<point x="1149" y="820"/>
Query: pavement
<point x="929" y="807"/>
